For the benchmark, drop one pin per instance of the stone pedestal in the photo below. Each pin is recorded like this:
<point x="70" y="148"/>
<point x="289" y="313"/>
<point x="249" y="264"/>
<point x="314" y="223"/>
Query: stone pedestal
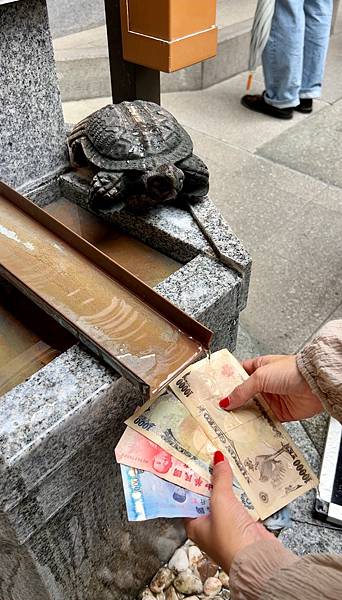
<point x="64" y="533"/>
<point x="32" y="131"/>
<point x="63" y="522"/>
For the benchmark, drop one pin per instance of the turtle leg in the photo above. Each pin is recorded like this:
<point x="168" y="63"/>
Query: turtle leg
<point x="106" y="190"/>
<point x="164" y="183"/>
<point x="196" y="177"/>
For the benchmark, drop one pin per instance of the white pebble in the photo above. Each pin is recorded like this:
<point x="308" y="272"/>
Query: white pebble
<point x="179" y="562"/>
<point x="162" y="579"/>
<point x="212" y="586"/>
<point x="194" y="554"/>
<point x="224" y="578"/>
<point x="171" y="594"/>
<point x="147" y="595"/>
<point x="188" y="584"/>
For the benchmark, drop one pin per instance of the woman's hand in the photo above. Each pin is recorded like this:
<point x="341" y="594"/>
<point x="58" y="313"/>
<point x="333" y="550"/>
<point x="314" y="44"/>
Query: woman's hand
<point x="228" y="528"/>
<point x="279" y="381"/>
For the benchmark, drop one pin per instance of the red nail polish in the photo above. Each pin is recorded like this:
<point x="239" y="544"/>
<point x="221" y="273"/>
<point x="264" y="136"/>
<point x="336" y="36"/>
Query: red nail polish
<point x="225" y="402"/>
<point x="218" y="457"/>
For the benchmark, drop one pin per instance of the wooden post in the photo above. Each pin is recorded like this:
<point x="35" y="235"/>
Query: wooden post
<point x="129" y="81"/>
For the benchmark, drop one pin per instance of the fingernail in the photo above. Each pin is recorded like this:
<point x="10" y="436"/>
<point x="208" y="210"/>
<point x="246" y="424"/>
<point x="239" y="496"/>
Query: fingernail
<point x="218" y="457"/>
<point x="225" y="402"/>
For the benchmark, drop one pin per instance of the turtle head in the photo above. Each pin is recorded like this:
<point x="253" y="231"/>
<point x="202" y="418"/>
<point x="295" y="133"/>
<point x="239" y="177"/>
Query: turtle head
<point x="164" y="183"/>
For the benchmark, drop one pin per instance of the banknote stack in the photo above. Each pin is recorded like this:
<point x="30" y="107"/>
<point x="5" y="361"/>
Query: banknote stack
<point x="166" y="452"/>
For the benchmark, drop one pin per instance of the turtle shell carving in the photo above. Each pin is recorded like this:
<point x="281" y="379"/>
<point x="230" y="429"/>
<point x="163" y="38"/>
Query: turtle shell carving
<point x="140" y="154"/>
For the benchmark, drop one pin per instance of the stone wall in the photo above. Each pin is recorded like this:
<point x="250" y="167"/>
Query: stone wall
<point x="32" y="146"/>
<point x="70" y="16"/>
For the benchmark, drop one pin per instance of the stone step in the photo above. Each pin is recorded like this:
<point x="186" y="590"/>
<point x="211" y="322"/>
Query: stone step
<point x="83" y="65"/>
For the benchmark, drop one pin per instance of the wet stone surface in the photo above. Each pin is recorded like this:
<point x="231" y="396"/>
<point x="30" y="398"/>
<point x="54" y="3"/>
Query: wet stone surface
<point x="189" y="574"/>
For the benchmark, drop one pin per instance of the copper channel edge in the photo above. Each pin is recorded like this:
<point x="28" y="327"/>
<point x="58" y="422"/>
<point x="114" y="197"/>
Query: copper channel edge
<point x="192" y="337"/>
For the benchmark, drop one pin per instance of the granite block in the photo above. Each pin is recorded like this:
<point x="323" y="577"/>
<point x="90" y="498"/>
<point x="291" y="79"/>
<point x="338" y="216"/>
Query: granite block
<point x="30" y="410"/>
<point x="224" y="242"/>
<point x="305" y="538"/>
<point x="317" y="428"/>
<point x="167" y="228"/>
<point x="44" y="194"/>
<point x="200" y="284"/>
<point x="60" y="490"/>
<point x="32" y="139"/>
<point x="209" y="292"/>
<point x="89" y="550"/>
<point x="61" y="498"/>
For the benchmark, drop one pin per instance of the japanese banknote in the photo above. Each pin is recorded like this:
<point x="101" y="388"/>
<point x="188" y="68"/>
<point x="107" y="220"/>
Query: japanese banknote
<point x="149" y="497"/>
<point x="167" y="423"/>
<point x="265" y="461"/>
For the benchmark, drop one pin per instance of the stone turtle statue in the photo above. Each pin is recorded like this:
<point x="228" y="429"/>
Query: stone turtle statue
<point x="139" y="154"/>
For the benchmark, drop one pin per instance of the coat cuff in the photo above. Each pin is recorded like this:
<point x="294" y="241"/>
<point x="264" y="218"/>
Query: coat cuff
<point x="253" y="566"/>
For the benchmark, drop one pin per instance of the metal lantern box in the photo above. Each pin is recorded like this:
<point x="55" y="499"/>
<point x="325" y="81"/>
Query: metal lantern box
<point x="167" y="35"/>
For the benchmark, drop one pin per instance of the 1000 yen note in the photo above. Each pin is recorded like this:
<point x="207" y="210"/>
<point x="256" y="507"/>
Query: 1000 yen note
<point x="265" y="461"/>
<point x="135" y="450"/>
<point x="149" y="497"/>
<point x="167" y="422"/>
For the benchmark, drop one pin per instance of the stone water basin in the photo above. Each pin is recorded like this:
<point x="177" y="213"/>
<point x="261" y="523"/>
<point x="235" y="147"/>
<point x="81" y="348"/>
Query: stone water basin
<point x="30" y="339"/>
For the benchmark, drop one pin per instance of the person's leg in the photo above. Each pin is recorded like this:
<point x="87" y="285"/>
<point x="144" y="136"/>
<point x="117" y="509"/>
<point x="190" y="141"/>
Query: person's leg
<point x="318" y="15"/>
<point x="283" y="56"/>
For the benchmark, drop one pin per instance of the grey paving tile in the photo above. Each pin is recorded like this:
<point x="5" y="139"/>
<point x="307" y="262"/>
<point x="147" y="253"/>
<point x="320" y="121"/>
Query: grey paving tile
<point x="332" y="85"/>
<point x="217" y="111"/>
<point x="337" y="314"/>
<point x="314" y="147"/>
<point x="246" y="346"/>
<point x="243" y="167"/>
<point x="330" y="197"/>
<point x="253" y="194"/>
<point x="296" y="280"/>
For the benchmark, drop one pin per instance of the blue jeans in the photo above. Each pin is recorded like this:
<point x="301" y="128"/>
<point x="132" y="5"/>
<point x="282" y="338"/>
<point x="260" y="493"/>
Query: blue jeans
<point x="295" y="54"/>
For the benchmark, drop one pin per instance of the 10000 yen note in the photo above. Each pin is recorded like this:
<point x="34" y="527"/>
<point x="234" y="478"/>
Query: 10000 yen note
<point x="167" y="422"/>
<point x="135" y="450"/>
<point x="266" y="463"/>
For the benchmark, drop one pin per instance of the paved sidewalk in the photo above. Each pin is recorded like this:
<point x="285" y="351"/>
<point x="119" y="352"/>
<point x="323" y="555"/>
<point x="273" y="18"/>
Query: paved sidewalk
<point x="279" y="185"/>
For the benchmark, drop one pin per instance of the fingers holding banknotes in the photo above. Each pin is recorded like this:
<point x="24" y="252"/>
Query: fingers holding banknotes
<point x="229" y="528"/>
<point x="280" y="382"/>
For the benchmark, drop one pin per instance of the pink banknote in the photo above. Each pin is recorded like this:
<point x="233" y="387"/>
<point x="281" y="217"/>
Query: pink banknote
<point x="135" y="450"/>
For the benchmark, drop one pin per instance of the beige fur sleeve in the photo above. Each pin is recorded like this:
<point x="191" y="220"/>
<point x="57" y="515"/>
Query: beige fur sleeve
<point x="267" y="571"/>
<point x="320" y="362"/>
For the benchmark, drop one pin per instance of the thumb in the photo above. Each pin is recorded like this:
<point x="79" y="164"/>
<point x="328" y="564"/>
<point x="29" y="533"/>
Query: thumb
<point x="245" y="391"/>
<point x="222" y="477"/>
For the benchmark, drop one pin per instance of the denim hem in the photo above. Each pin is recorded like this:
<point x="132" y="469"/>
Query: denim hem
<point x="282" y="103"/>
<point x="310" y="95"/>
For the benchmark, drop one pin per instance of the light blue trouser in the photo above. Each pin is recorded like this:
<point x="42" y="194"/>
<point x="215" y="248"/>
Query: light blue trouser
<point x="295" y="54"/>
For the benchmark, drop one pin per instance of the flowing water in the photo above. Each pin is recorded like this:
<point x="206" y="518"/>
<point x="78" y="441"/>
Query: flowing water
<point x="143" y="261"/>
<point x="29" y="339"/>
<point x="121" y="324"/>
